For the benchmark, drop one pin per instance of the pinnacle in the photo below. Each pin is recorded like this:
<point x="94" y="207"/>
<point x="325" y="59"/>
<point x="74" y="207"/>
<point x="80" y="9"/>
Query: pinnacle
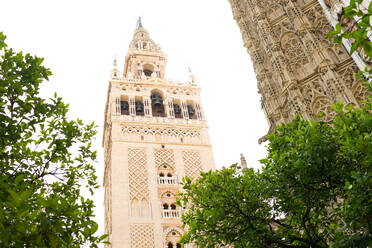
<point x="139" y="23"/>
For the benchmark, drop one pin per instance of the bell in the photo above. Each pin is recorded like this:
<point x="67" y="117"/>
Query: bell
<point x="139" y="106"/>
<point x="177" y="109"/>
<point x="191" y="110"/>
<point x="124" y="105"/>
<point x="156" y="99"/>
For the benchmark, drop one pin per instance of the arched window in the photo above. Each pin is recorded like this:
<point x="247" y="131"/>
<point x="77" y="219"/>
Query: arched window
<point x="173" y="206"/>
<point x="170" y="245"/>
<point x="165" y="206"/>
<point x="294" y="51"/>
<point x="157" y="105"/>
<point x="148" y="70"/>
<point x="135" y="208"/>
<point x="191" y="111"/>
<point x="169" y="175"/>
<point x="178" y="245"/>
<point x="177" y="108"/>
<point x="145" y="208"/>
<point x="139" y="107"/>
<point x="161" y="174"/>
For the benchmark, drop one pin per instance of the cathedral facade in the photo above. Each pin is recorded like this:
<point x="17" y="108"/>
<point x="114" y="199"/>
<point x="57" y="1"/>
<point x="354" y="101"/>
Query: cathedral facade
<point x="155" y="133"/>
<point x="299" y="70"/>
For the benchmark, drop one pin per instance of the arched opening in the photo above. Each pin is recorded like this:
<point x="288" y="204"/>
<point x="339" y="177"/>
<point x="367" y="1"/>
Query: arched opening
<point x="157" y="104"/>
<point x="148" y="70"/>
<point x="135" y="207"/>
<point x="145" y="208"/>
<point x="166" y="174"/>
<point x="124" y="105"/>
<point x="170" y="245"/>
<point x="173" y="206"/>
<point x="165" y="206"/>
<point x="139" y="106"/>
<point x="173" y="236"/>
<point x="191" y="110"/>
<point x="177" y="109"/>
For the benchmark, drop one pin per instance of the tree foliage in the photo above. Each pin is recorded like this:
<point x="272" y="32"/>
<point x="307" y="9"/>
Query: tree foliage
<point x="45" y="160"/>
<point x="359" y="33"/>
<point x="314" y="190"/>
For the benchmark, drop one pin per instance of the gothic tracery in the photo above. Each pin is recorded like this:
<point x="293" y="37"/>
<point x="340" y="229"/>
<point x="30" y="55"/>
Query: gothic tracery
<point x="309" y="72"/>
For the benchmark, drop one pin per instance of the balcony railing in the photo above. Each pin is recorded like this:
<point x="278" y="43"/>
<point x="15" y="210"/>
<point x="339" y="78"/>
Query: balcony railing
<point x="168" y="180"/>
<point x="171" y="213"/>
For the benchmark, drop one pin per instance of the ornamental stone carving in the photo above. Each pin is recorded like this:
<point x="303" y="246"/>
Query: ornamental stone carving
<point x="290" y="41"/>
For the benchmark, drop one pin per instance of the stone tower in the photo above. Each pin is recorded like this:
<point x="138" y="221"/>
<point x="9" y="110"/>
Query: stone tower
<point x="155" y="133"/>
<point x="298" y="69"/>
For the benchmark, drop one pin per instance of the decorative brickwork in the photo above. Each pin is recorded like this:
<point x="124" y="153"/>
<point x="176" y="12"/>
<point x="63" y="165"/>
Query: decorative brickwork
<point x="161" y="131"/>
<point x="192" y="163"/>
<point x="164" y="156"/>
<point x="142" y="236"/>
<point x="138" y="179"/>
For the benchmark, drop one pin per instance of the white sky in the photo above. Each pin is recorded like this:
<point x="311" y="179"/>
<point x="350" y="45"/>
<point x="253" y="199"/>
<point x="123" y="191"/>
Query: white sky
<point x="78" y="40"/>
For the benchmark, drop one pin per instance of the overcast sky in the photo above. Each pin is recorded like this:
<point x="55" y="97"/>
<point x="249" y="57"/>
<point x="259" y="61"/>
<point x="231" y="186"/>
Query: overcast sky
<point x="79" y="38"/>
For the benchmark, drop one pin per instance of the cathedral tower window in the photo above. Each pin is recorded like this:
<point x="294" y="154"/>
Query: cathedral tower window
<point x="148" y="70"/>
<point x="191" y="110"/>
<point x="135" y="212"/>
<point x="170" y="179"/>
<point x="170" y="245"/>
<point x="157" y="104"/>
<point x="139" y="106"/>
<point x="165" y="206"/>
<point x="124" y="105"/>
<point x="145" y="208"/>
<point x="177" y="109"/>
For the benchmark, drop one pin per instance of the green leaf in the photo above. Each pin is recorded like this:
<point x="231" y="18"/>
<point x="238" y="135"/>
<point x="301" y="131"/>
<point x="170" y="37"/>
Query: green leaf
<point x="367" y="48"/>
<point x="354" y="47"/>
<point x="338" y="39"/>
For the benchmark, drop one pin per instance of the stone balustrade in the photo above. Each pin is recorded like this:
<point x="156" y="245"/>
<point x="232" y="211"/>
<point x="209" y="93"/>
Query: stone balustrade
<point x="168" y="180"/>
<point x="171" y="213"/>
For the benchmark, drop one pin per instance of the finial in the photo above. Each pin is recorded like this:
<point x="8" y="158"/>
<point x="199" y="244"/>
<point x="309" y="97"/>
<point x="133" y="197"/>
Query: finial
<point x="139" y="23"/>
<point x="115" y="60"/>
<point x="191" y="76"/>
<point x="243" y="161"/>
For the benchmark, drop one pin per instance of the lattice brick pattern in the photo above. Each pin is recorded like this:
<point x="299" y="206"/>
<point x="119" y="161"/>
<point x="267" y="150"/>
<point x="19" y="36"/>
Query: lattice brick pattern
<point x="138" y="179"/>
<point x="164" y="156"/>
<point x="162" y="131"/>
<point x="142" y="236"/>
<point x="192" y="163"/>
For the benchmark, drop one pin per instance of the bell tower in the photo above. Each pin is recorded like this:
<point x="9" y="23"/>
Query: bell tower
<point x="155" y="133"/>
<point x="144" y="57"/>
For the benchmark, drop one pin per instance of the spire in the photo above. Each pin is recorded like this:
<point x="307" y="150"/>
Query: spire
<point x="139" y="23"/>
<point x="243" y="161"/>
